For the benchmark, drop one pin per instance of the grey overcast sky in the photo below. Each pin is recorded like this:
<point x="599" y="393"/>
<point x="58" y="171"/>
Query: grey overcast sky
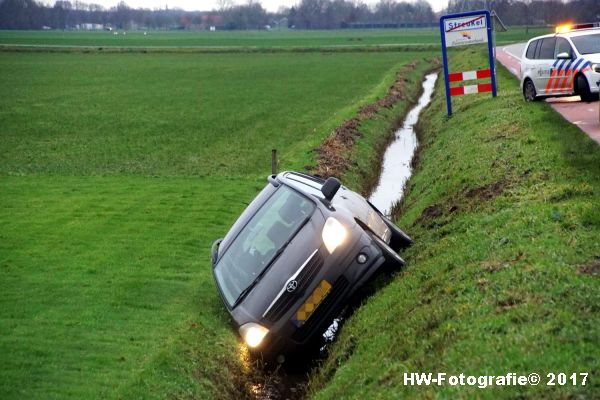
<point x="206" y="5"/>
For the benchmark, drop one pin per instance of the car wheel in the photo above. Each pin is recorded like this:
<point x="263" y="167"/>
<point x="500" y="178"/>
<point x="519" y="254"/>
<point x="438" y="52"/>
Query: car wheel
<point x="583" y="89"/>
<point x="529" y="92"/>
<point x="392" y="259"/>
<point x="400" y="240"/>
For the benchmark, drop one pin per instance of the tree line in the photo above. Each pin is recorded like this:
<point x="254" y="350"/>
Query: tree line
<point x="307" y="14"/>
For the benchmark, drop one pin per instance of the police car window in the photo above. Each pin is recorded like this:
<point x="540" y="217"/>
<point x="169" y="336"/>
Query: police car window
<point x="531" y="49"/>
<point x="588" y="44"/>
<point x="537" y="50"/>
<point x="562" y="46"/>
<point x="547" y="49"/>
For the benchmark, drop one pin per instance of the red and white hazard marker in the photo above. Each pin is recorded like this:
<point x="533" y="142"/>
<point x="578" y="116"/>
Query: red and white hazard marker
<point x="470" y="89"/>
<point x="469" y="75"/>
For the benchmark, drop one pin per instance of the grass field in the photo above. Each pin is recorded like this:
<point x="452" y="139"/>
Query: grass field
<point x="503" y="276"/>
<point x="260" y="39"/>
<point x="116" y="174"/>
<point x="117" y="171"/>
<point x="154" y="115"/>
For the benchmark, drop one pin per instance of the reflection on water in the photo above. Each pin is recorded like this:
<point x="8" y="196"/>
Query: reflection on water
<point x="272" y="381"/>
<point x="396" y="161"/>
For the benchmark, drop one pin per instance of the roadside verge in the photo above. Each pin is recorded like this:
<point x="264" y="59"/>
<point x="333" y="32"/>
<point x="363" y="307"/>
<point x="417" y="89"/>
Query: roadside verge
<point x="504" y="273"/>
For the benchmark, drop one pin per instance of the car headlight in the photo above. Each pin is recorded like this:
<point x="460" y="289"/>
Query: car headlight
<point x="334" y="234"/>
<point x="253" y="334"/>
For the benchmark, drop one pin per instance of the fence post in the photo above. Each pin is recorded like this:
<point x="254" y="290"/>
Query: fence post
<point x="274" y="161"/>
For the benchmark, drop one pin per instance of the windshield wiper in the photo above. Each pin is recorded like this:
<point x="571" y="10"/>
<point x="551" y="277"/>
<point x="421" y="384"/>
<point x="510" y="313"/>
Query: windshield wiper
<point x="255" y="281"/>
<point x="244" y="292"/>
<point x="275" y="256"/>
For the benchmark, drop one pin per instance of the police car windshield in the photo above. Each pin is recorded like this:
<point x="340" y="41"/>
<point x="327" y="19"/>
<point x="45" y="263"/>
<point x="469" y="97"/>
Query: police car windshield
<point x="267" y="232"/>
<point x="588" y="44"/>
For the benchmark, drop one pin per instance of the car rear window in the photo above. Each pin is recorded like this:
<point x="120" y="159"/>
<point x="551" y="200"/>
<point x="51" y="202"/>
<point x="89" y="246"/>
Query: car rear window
<point x="546" y="51"/>
<point x="588" y="44"/>
<point x="257" y="243"/>
<point x="531" y="49"/>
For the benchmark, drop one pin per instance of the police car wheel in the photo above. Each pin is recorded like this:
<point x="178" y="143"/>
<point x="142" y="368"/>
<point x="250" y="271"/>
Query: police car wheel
<point x="584" y="90"/>
<point x="529" y="91"/>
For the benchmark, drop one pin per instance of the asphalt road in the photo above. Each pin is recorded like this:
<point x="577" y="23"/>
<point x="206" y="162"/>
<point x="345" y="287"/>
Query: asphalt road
<point x="584" y="115"/>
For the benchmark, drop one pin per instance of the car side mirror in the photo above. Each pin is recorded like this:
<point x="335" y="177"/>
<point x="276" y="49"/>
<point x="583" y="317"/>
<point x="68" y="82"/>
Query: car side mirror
<point x="273" y="180"/>
<point x="330" y="188"/>
<point x="214" y="252"/>
<point x="563" y="56"/>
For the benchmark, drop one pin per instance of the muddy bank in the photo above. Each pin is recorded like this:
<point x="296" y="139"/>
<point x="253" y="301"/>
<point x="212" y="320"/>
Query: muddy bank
<point x="334" y="155"/>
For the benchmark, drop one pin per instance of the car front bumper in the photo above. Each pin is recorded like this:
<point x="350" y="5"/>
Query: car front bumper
<point x="344" y="276"/>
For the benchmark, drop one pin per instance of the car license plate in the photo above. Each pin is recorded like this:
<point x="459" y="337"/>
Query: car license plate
<point x="311" y="303"/>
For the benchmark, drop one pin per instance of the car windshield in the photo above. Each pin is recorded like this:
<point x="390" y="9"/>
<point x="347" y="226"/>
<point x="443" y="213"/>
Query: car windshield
<point x="267" y="232"/>
<point x="588" y="44"/>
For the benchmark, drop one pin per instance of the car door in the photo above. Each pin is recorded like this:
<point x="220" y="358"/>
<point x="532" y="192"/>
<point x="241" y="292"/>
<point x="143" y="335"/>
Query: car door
<point x="562" y="68"/>
<point x="545" y="71"/>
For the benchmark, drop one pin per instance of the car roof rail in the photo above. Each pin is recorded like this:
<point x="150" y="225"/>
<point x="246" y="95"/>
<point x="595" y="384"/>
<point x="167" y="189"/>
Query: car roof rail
<point x="273" y="180"/>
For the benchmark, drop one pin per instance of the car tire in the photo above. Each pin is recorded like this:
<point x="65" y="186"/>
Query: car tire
<point x="529" y="92"/>
<point x="583" y="89"/>
<point x="392" y="259"/>
<point x="400" y="240"/>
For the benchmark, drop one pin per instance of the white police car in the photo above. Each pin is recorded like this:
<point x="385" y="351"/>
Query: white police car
<point x="565" y="63"/>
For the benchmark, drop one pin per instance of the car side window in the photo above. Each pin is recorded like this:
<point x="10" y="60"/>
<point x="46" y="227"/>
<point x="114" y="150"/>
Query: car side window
<point x="537" y="50"/>
<point x="546" y="51"/>
<point x="563" y="46"/>
<point x="531" y="50"/>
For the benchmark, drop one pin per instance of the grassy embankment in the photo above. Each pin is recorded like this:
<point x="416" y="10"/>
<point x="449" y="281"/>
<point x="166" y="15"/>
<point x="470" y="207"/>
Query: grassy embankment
<point x="116" y="174"/>
<point x="504" y="273"/>
<point x="245" y="40"/>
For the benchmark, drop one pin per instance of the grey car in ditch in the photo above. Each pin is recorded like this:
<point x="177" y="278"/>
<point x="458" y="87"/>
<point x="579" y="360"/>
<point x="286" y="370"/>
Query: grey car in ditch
<point x="294" y="257"/>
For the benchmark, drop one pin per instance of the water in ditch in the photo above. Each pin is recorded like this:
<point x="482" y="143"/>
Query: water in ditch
<point x="289" y="381"/>
<point x="396" y="167"/>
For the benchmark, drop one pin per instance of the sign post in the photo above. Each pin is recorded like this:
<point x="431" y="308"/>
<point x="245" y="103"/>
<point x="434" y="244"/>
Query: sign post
<point x="464" y="29"/>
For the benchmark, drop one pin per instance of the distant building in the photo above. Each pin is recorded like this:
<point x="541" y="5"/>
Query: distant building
<point x="210" y="22"/>
<point x="90" y="27"/>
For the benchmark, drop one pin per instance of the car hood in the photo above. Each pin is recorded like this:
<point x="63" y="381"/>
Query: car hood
<point x="354" y="205"/>
<point x="595" y="57"/>
<point x="363" y="211"/>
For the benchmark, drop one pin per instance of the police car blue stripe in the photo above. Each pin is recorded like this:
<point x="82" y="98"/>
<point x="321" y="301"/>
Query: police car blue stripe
<point x="577" y="62"/>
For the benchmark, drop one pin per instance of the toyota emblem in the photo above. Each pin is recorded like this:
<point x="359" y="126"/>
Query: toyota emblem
<point x="291" y="286"/>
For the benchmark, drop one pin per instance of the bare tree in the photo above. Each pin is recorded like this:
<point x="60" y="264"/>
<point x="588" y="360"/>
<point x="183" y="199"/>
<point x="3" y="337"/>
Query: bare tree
<point x="225" y="5"/>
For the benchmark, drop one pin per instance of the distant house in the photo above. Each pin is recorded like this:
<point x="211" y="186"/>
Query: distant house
<point x="210" y="21"/>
